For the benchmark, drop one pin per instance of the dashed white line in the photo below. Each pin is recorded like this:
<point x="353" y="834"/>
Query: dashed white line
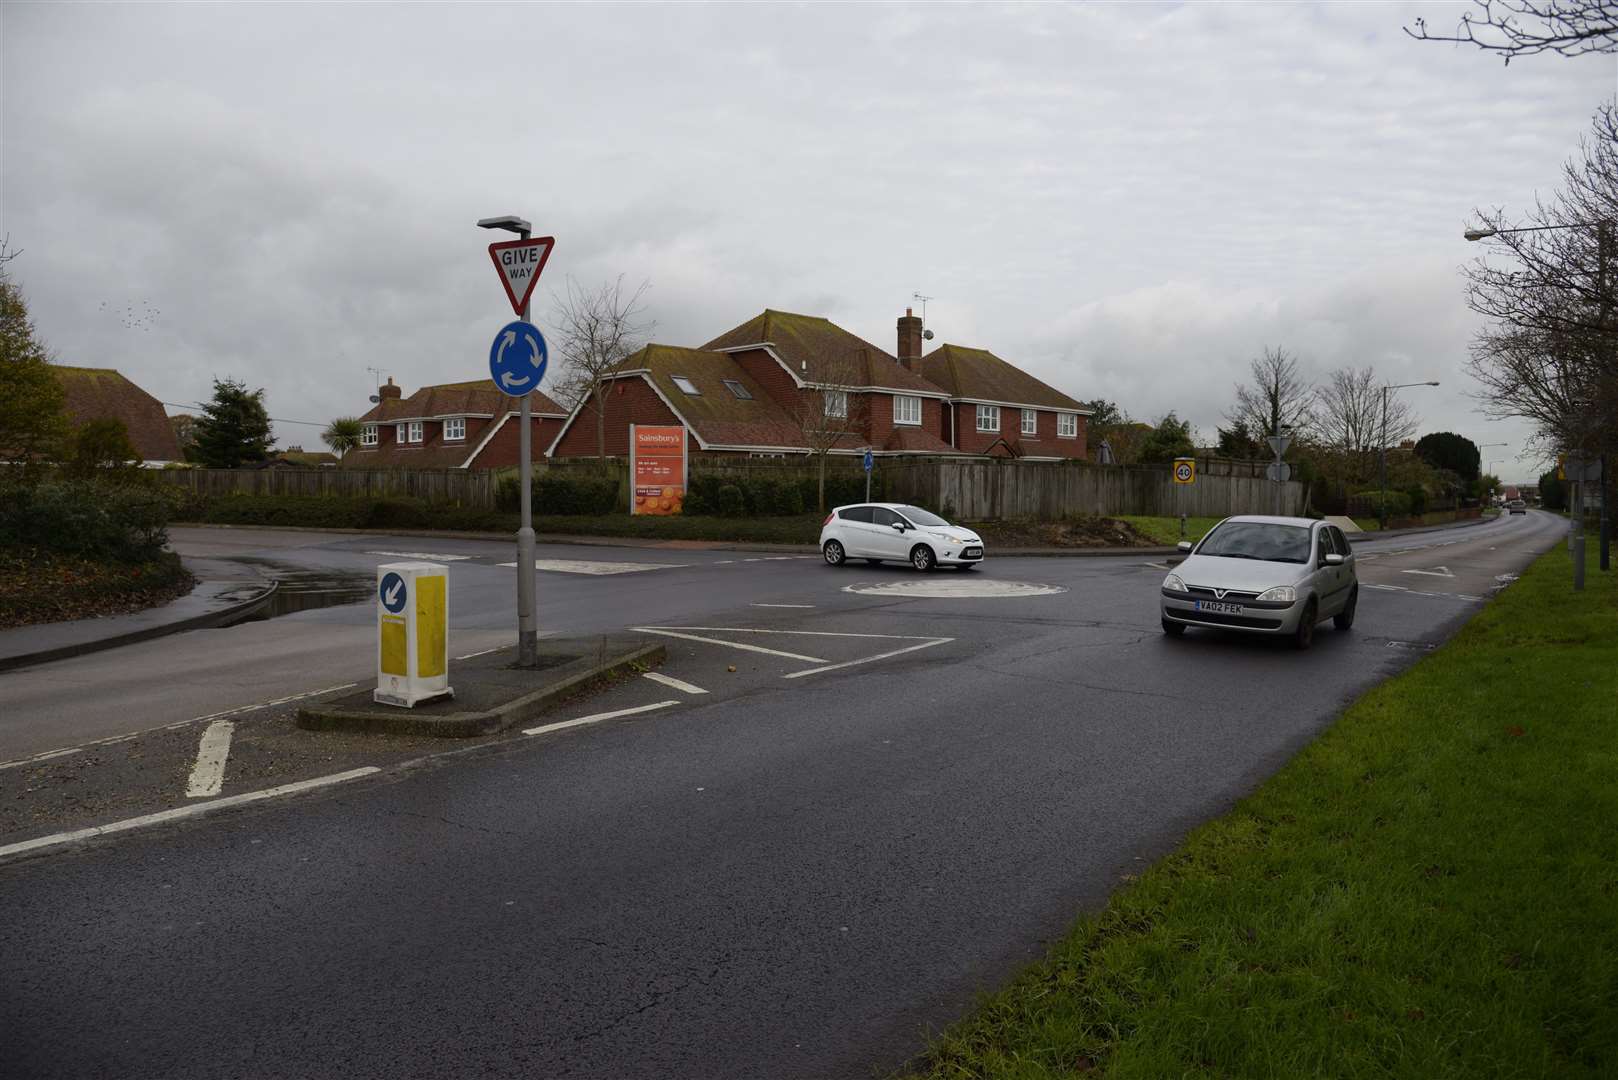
<point x="484" y="652"/>
<point x="208" y="774"/>
<point x="262" y="705"/>
<point x="39" y="757"/>
<point x="544" y="728"/>
<point x="783" y="605"/>
<point x="670" y="681"/>
<point x="178" y="812"/>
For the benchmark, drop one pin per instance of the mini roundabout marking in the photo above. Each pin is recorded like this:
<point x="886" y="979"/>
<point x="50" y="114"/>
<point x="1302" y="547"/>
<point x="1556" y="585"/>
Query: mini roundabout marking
<point x="968" y="589"/>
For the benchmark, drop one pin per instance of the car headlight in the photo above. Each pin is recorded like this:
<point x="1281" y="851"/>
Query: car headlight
<point x="1173" y="582"/>
<point x="946" y="537"/>
<point x="1280" y="592"/>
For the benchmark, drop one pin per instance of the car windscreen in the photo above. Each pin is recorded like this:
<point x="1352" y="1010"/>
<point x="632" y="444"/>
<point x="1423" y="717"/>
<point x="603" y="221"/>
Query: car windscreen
<point x="918" y="516"/>
<point x="1258" y="540"/>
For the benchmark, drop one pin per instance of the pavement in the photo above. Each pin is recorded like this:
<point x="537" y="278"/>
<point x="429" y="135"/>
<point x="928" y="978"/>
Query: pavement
<point x="846" y="803"/>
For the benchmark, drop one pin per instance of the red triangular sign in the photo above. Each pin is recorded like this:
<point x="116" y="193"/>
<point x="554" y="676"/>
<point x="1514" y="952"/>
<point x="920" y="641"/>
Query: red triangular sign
<point x="520" y="263"/>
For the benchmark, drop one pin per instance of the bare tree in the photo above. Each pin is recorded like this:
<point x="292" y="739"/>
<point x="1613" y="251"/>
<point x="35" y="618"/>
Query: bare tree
<point x="1526" y="27"/>
<point x="1277" y="399"/>
<point x="593" y="331"/>
<point x="1349" y="418"/>
<point x="829" y="415"/>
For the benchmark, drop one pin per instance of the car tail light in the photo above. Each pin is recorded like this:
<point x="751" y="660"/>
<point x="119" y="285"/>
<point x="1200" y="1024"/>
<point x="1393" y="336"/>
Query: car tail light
<point x="829" y="516"/>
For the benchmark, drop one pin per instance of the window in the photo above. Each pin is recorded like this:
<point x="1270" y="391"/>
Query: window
<point x="857" y="513"/>
<point x="399" y="432"/>
<point x="686" y="385"/>
<point x="1067" y="425"/>
<point x="907" y="410"/>
<point x="415" y="430"/>
<point x="368" y="435"/>
<point x="737" y="388"/>
<point x="988" y="418"/>
<point x="1030" y="422"/>
<point x="1341" y="541"/>
<point x="455" y="428"/>
<point x="881" y="515"/>
<point x="836" y="403"/>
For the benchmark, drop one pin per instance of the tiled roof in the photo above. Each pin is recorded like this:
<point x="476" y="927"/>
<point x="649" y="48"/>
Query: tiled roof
<point x="717" y="415"/>
<point x="433" y="455"/>
<point x="102" y="393"/>
<point x="475" y="398"/>
<point x="914" y="440"/>
<point x="979" y="375"/>
<point x="820" y="351"/>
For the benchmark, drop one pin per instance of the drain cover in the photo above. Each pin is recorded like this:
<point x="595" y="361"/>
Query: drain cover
<point x="955" y="590"/>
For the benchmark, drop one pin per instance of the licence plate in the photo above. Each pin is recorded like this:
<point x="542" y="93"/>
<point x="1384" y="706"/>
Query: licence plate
<point x="1217" y="606"/>
<point x="972" y="553"/>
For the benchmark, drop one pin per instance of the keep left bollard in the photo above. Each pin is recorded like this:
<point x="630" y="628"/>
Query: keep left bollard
<point x="412" y="634"/>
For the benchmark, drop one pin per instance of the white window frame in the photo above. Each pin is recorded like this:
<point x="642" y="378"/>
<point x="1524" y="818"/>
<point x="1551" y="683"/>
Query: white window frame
<point x="368" y="435"/>
<point x="416" y="431"/>
<point x="1067" y="425"/>
<point x="989" y="418"/>
<point x="1030" y="421"/>
<point x="906" y="410"/>
<point x="835" y="404"/>
<point x="399" y="433"/>
<point x="455" y="429"/>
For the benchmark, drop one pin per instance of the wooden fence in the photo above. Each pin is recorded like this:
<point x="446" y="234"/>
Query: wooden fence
<point x="453" y="487"/>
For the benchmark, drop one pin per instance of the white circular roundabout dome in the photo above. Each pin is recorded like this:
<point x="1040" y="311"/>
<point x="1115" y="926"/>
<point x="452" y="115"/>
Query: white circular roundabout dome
<point x="958" y="589"/>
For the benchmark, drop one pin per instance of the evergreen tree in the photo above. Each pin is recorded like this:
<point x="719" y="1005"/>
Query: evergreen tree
<point x="234" y="428"/>
<point x="1169" y="440"/>
<point x="32" y="423"/>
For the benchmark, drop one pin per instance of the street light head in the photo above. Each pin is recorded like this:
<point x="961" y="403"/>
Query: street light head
<point x="509" y="222"/>
<point x="1479" y="234"/>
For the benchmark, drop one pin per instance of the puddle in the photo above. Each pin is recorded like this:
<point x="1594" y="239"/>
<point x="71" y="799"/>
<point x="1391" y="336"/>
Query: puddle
<point x="302" y="589"/>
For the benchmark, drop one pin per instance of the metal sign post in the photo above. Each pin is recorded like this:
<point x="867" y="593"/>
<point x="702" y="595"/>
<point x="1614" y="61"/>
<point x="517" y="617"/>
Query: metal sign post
<point x="1185" y="474"/>
<point x="1278" y="471"/>
<point x="868" y="463"/>
<point x="520" y="262"/>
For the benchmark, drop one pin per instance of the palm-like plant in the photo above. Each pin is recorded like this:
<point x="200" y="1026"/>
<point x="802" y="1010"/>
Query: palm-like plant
<point x="342" y="434"/>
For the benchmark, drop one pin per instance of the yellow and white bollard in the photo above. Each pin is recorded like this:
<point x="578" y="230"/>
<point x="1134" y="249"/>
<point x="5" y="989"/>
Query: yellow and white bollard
<point x="412" y="634"/>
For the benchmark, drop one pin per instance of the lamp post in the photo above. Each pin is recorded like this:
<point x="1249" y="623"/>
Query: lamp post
<point x="1382" y="516"/>
<point x="1490" y="470"/>
<point x="527" y="622"/>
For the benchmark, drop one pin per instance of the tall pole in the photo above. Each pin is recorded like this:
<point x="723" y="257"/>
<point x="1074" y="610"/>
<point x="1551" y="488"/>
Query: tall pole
<point x="1382" y="514"/>
<point x="527" y="621"/>
<point x="1603" y="248"/>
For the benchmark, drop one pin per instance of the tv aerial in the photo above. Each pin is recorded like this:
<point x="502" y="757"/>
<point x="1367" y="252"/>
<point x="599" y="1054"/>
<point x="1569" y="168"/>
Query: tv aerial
<point x="926" y="335"/>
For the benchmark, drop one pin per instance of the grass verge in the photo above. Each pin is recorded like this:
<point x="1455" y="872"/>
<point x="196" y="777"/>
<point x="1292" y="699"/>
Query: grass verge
<point x="1166" y="530"/>
<point x="1430" y="889"/>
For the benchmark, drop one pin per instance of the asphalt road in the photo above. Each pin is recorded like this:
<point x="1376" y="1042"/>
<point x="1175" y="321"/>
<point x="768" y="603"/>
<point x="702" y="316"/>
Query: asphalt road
<point x="794" y="874"/>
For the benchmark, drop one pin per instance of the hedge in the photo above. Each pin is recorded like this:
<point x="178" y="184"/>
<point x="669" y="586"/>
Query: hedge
<point x="124" y="522"/>
<point x="315" y="511"/>
<point x="561" y="495"/>
<point x="769" y="496"/>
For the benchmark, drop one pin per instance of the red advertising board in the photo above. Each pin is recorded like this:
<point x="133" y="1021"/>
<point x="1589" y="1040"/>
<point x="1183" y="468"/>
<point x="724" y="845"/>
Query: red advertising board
<point x="657" y="468"/>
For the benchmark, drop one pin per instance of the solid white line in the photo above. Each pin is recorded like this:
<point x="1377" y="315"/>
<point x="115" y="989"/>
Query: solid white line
<point x="184" y="811"/>
<point x="868" y="659"/>
<point x="485" y="652"/>
<point x="422" y="555"/>
<point x="670" y="681"/>
<point x="798" y="633"/>
<point x="208" y="774"/>
<point x="783" y="605"/>
<point x="730" y="644"/>
<point x="39" y="757"/>
<point x="542" y="729"/>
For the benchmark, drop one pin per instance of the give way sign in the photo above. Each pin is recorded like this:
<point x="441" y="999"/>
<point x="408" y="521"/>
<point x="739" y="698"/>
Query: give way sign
<point x="520" y="263"/>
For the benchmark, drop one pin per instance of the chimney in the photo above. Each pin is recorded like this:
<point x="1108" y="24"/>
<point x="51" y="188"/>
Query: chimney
<point x="910" y="341"/>
<point x="389" y="391"/>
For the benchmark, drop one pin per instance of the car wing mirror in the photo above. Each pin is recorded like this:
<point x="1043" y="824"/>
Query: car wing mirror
<point x="1334" y="559"/>
<point x="1184" y="545"/>
<point x="899" y="526"/>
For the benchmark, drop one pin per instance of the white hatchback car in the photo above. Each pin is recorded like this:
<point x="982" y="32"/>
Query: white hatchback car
<point x="897" y="532"/>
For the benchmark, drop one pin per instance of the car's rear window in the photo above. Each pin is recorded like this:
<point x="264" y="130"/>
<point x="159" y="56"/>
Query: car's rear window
<point x="856" y="513"/>
<point x="1264" y="540"/>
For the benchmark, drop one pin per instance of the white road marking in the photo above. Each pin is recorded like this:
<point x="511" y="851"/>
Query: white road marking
<point x="731" y="644"/>
<point x="484" y="652"/>
<point x="1158" y="566"/>
<point x="967" y="589"/>
<point x="724" y="562"/>
<point x="868" y="659"/>
<point x="542" y="729"/>
<point x="263" y="705"/>
<point x="583" y="566"/>
<point x="178" y="812"/>
<point x="1437" y="571"/>
<point x="783" y="605"/>
<point x="432" y="556"/>
<point x="789" y="633"/>
<point x="208" y="774"/>
<point x="39" y="757"/>
<point x="670" y="681"/>
<point x="1389" y="588"/>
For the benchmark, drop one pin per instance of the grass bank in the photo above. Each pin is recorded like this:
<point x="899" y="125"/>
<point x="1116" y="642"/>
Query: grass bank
<point x="1166" y="530"/>
<point x="1428" y="890"/>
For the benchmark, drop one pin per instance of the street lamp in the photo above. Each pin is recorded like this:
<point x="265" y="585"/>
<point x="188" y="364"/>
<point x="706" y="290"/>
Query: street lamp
<point x="527" y="622"/>
<point x="1490" y="470"/>
<point x="1382" y="517"/>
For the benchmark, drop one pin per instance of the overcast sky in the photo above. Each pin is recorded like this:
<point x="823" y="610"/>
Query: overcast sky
<point x="1129" y="201"/>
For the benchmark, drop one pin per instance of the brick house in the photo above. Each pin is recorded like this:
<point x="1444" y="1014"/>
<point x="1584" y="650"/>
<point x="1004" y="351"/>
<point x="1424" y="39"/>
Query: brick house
<point x="105" y="394"/>
<point x="466" y="425"/>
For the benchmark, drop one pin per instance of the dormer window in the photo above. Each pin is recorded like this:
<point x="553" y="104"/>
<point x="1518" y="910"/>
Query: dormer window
<point x="416" y="431"/>
<point x="455" y="428"/>
<point x="686" y="385"/>
<point x="368" y="435"/>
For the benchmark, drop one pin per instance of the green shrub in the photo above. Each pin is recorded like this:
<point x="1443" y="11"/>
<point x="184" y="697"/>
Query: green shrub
<point x="123" y="522"/>
<point x="396" y="513"/>
<point x="1416" y="495"/>
<point x="731" y="501"/>
<point x="312" y="511"/>
<point x="1369" y="503"/>
<point x="555" y="494"/>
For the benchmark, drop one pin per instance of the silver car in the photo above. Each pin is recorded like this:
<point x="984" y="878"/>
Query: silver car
<point x="1264" y="575"/>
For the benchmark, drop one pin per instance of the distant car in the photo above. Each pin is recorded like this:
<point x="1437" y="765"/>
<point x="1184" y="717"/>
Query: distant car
<point x="1264" y="575"/>
<point x="896" y="532"/>
<point x="1517" y="506"/>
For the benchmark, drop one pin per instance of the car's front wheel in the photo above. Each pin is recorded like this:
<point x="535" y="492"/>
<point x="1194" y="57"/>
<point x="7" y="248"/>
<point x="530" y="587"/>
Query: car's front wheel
<point x="1304" y="635"/>
<point x="1344" y="619"/>
<point x="922" y="557"/>
<point x="834" y="553"/>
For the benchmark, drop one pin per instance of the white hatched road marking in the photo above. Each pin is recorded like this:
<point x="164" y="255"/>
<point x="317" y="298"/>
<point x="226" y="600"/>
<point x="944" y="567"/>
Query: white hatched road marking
<point x="582" y="566"/>
<point x="544" y="728"/>
<point x="731" y="644"/>
<point x="673" y="683"/>
<point x="184" y="811"/>
<point x="433" y="556"/>
<point x="869" y="659"/>
<point x="678" y="632"/>
<point x="1437" y="571"/>
<point x="208" y="774"/>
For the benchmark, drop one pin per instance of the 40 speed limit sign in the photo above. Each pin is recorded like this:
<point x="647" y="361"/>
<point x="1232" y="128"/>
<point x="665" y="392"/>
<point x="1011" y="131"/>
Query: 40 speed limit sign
<point x="1185" y="470"/>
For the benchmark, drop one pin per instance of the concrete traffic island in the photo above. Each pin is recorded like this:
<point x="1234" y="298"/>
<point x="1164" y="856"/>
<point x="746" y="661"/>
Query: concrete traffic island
<point x="491" y="693"/>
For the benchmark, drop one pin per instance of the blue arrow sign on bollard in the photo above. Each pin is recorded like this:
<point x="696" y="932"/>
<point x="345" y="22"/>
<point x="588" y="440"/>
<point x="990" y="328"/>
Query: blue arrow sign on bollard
<point x="517" y="359"/>
<point x="868" y="461"/>
<point x="392" y="593"/>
